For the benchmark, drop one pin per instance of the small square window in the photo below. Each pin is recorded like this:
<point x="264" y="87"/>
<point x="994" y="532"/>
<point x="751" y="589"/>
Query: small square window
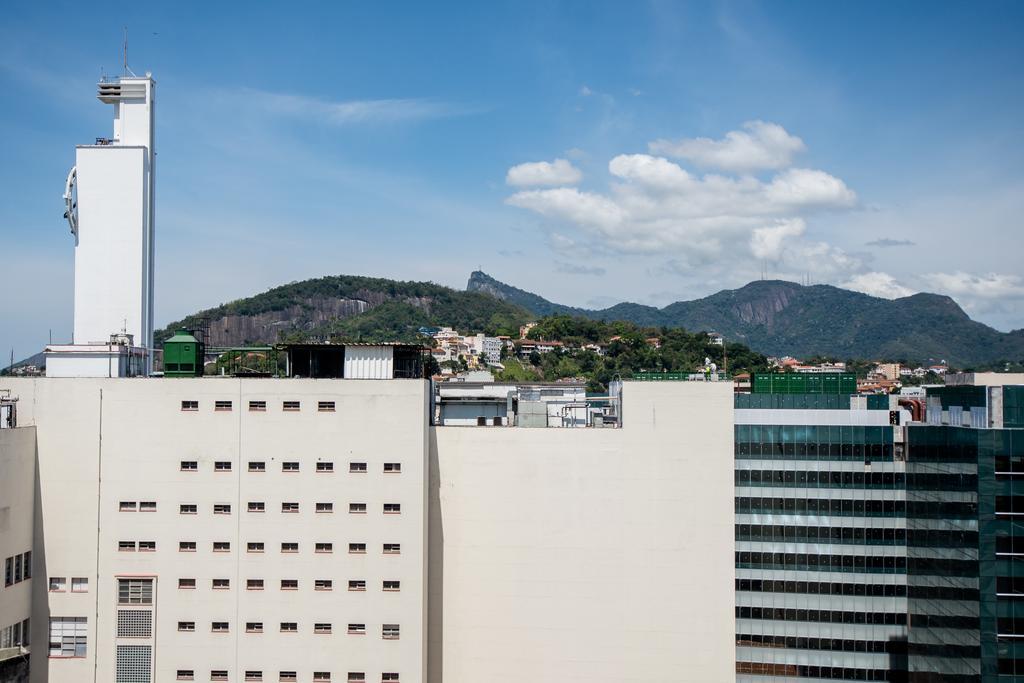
<point x="321" y="676"/>
<point x="289" y="547"/>
<point x="389" y="631"/>
<point x="126" y="546"/>
<point x="186" y="546"/>
<point x="254" y="627"/>
<point x="186" y="626"/>
<point x="219" y="626"/>
<point x="392" y="467"/>
<point x="127" y="506"/>
<point x="221" y="584"/>
<point x="323" y="585"/>
<point x="254" y="675"/>
<point x="357" y="629"/>
<point x="289" y="627"/>
<point x="325" y="507"/>
<point x="392" y="548"/>
<point x="186" y="675"/>
<point x="355" y="677"/>
<point x="325" y="406"/>
<point x="222" y="466"/>
<point x="357" y="508"/>
<point x="389" y="677"/>
<point x="147" y="546"/>
<point x="357" y="467"/>
<point x="287" y="677"/>
<point x="357" y="547"/>
<point x="257" y="506"/>
<point x="325" y="467"/>
<point x="321" y="627"/>
<point x="325" y="547"/>
<point x="147" y="506"/>
<point x="188" y="508"/>
<point x="357" y="585"/>
<point x="222" y="405"/>
<point x="219" y="675"/>
<point x="186" y="583"/>
<point x="190" y="405"/>
<point x="289" y="466"/>
<point x="79" y="584"/>
<point x="289" y="584"/>
<point x="290" y="406"/>
<point x="58" y="584"/>
<point x="257" y="406"/>
<point x="392" y="585"/>
<point x="189" y="465"/>
<point x="254" y="547"/>
<point x="222" y="509"/>
<point x="221" y="546"/>
<point x="289" y="507"/>
<point x="392" y="508"/>
<point x="257" y="466"/>
<point x="254" y="584"/>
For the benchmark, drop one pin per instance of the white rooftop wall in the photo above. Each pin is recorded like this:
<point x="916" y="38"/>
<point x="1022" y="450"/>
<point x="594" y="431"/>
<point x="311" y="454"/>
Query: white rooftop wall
<point x="369" y="362"/>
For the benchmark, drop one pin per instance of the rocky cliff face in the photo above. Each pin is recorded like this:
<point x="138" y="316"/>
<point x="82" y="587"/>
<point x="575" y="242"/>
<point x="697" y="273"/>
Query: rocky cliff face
<point x="262" y="328"/>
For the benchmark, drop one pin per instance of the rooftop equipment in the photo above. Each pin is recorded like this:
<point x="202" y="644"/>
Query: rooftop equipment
<point x="183" y="355"/>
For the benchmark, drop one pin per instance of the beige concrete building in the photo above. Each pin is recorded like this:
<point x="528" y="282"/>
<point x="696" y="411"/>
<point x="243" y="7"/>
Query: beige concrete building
<point x="323" y="530"/>
<point x="17" y="497"/>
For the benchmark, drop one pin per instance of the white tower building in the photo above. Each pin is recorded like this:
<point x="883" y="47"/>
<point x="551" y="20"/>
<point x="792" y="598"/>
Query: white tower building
<point x="109" y="200"/>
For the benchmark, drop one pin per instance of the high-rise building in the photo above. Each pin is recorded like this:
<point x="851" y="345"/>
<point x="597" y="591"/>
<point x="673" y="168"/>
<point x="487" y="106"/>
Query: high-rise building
<point x="821" y="536"/>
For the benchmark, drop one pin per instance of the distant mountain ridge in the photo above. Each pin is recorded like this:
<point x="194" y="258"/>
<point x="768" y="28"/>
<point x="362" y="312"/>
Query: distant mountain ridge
<point x="776" y="317"/>
<point x="349" y="307"/>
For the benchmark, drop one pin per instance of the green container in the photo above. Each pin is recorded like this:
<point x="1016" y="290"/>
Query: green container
<point x="183" y="355"/>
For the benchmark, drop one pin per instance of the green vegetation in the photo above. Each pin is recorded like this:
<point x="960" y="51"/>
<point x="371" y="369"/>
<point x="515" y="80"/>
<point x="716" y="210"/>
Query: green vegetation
<point x="635" y="349"/>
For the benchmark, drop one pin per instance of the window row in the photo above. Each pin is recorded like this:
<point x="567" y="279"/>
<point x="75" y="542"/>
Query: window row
<point x="805" y="671"/>
<point x="919" y="566"/>
<point x="18" y="568"/>
<point x="288" y="676"/>
<point x="387" y="585"/>
<point x="79" y="584"/>
<point x="15" y="635"/>
<point x="812" y="479"/>
<point x="324" y="466"/>
<point x="260" y="506"/>
<point x="877" y="590"/>
<point x="286" y="547"/>
<point x="779" y="533"/>
<point x="387" y="631"/>
<point x="259" y="406"/>
<point x="893" y="646"/>
<point x="822" y="616"/>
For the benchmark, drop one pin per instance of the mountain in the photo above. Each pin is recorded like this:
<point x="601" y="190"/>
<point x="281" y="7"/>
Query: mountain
<point x="775" y="317"/>
<point x="350" y="307"/>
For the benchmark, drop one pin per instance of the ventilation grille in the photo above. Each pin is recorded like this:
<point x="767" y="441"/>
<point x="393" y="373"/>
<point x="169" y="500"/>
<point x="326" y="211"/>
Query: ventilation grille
<point x="133" y="663"/>
<point x="134" y="623"/>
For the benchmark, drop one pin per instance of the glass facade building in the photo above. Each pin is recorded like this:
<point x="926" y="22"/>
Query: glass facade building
<point x="869" y="549"/>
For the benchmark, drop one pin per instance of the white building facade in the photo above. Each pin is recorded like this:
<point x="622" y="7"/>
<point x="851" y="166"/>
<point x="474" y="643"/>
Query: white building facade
<point x="324" y="530"/>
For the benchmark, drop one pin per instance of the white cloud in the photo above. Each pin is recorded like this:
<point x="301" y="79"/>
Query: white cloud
<point x="585" y="91"/>
<point x="578" y="269"/>
<point x="655" y="205"/>
<point x="557" y="172"/>
<point x="760" y="145"/>
<point x="348" y="111"/>
<point x="877" y="284"/>
<point x="766" y="243"/>
<point x="988" y="286"/>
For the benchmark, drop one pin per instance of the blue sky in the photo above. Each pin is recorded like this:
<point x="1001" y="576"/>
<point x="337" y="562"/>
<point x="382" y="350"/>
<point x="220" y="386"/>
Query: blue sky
<point x="590" y="152"/>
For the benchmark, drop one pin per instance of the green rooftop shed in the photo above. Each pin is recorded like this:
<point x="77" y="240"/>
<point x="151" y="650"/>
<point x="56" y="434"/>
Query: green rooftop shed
<point x="183" y="355"/>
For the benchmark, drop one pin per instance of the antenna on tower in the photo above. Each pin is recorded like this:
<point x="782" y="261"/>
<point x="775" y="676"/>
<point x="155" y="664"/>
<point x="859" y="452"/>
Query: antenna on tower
<point x="127" y="71"/>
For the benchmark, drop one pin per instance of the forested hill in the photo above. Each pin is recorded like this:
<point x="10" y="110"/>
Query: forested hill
<point x="775" y="317"/>
<point x="353" y="308"/>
